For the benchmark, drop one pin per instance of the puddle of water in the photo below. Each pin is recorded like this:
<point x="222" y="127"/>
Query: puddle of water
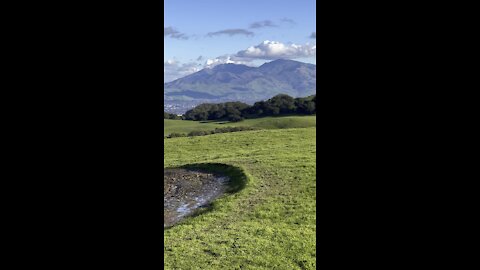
<point x="186" y="191"/>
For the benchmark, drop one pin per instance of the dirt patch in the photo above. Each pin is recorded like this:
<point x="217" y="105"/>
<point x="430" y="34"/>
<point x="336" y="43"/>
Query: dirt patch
<point x="185" y="191"/>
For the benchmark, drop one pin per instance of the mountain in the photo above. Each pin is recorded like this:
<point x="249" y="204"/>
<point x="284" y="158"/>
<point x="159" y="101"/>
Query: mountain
<point x="232" y="82"/>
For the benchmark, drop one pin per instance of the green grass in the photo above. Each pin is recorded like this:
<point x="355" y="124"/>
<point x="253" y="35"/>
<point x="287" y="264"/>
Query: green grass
<point x="181" y="126"/>
<point x="270" y="223"/>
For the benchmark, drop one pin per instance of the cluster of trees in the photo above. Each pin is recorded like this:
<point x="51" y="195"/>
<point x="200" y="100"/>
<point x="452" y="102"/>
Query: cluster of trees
<point x="237" y="111"/>
<point x="231" y="111"/>
<point x="216" y="131"/>
<point x="283" y="105"/>
<point x="171" y="116"/>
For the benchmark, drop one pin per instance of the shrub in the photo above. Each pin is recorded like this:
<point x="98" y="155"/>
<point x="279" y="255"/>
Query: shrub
<point x="176" y="135"/>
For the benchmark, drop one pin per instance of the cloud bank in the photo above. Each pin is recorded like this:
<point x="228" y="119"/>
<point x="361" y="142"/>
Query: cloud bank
<point x="173" y="69"/>
<point x="262" y="24"/>
<point x="288" y="20"/>
<point x="254" y="26"/>
<point x="271" y="50"/>
<point x="173" y="33"/>
<point x="231" y="32"/>
<point x="267" y="50"/>
<point x="224" y="59"/>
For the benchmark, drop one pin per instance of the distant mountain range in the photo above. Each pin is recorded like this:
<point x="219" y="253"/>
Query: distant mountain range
<point x="232" y="82"/>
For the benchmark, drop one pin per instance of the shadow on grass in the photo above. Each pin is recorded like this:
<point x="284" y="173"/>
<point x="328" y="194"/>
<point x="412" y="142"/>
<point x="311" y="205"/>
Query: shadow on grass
<point x="237" y="177"/>
<point x="237" y="181"/>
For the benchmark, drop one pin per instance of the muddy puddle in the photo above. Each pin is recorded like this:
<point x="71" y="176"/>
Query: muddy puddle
<point x="187" y="191"/>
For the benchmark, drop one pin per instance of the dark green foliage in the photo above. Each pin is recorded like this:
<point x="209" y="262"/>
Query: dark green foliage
<point x="238" y="111"/>
<point x="207" y="111"/>
<point x="171" y="116"/>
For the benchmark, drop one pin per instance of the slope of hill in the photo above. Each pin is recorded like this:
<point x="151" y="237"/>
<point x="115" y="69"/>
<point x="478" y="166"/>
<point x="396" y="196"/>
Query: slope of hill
<point x="230" y="82"/>
<point x="184" y="126"/>
<point x="271" y="223"/>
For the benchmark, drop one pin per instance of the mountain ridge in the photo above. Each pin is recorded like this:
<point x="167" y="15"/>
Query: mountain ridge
<point x="236" y="82"/>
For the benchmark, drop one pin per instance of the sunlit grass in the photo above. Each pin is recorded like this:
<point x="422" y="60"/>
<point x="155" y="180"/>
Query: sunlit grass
<point x="181" y="126"/>
<point x="270" y="224"/>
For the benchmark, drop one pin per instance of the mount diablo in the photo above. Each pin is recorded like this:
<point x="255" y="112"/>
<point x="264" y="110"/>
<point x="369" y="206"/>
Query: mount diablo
<point x="232" y="82"/>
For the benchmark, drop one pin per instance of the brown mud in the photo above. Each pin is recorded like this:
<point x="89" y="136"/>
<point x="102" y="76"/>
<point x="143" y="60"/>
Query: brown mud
<point x="187" y="191"/>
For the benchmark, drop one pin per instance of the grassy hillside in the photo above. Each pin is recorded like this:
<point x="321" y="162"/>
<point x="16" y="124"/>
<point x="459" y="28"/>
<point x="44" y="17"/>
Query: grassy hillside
<point x="181" y="126"/>
<point x="268" y="225"/>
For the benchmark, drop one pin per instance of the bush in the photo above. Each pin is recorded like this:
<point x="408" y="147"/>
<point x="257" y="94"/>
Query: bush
<point x="176" y="135"/>
<point x="171" y="116"/>
<point x="216" y="131"/>
<point x="198" y="133"/>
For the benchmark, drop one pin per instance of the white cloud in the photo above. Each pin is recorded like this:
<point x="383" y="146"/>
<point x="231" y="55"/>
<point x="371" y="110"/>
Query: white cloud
<point x="267" y="50"/>
<point x="225" y="59"/>
<point x="172" y="69"/>
<point x="271" y="50"/>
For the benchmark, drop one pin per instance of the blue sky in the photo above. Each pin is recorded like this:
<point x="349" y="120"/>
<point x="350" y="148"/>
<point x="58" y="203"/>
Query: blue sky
<point x="204" y="33"/>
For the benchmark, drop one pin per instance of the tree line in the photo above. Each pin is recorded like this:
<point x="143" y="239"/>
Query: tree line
<point x="237" y="111"/>
<point x="171" y="116"/>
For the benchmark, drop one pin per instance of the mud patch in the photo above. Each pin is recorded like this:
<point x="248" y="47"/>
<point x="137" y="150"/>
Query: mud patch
<point x="188" y="190"/>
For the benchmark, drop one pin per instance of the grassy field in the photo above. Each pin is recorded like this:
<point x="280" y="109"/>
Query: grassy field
<point x="270" y="224"/>
<point x="179" y="126"/>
